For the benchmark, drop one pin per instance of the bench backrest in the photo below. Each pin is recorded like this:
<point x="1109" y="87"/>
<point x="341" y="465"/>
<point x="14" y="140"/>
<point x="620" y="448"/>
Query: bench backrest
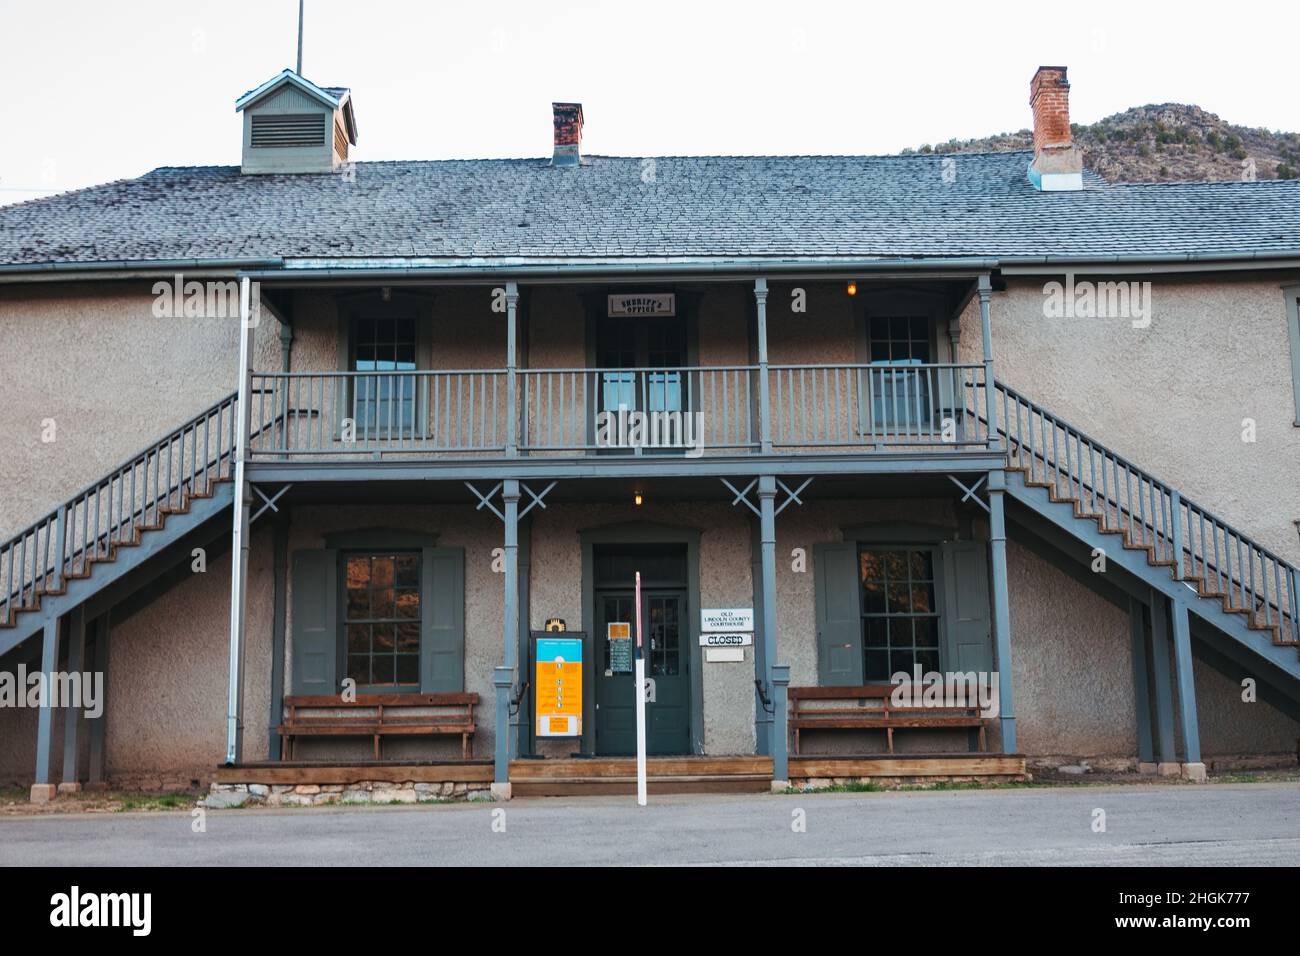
<point x="874" y="698"/>
<point x="457" y="699"/>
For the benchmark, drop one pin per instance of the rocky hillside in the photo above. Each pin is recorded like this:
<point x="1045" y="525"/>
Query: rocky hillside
<point x="1170" y="142"/>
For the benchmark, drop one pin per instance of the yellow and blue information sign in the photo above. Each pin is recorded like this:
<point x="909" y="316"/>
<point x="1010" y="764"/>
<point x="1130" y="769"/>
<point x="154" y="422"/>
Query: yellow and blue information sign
<point x="559" y="686"/>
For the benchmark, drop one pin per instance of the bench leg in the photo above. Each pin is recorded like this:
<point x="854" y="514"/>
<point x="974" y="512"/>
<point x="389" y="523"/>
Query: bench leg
<point x="984" y="746"/>
<point x="377" y="757"/>
<point x="464" y="746"/>
<point x="796" y="741"/>
<point x="889" y="738"/>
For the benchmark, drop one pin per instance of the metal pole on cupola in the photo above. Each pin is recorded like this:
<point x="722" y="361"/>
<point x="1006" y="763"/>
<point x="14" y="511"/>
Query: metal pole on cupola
<point x="300" y="3"/>
<point x="640" y="702"/>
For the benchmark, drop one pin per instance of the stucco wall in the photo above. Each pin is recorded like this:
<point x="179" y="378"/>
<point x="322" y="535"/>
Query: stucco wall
<point x="1170" y="397"/>
<point x="112" y="377"/>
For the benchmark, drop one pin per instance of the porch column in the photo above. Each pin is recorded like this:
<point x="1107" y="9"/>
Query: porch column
<point x="1001" y="602"/>
<point x="1141" y="690"/>
<point x="239" y="534"/>
<point x="1193" y="769"/>
<point x="777" y="745"/>
<point x="512" y="363"/>
<point x="280" y="562"/>
<point x="764" y="395"/>
<point x="986" y="334"/>
<point x="1164" y="688"/>
<point x="505" y="675"/>
<point x="73" y="711"/>
<point x="98" y="725"/>
<point x="43" y="789"/>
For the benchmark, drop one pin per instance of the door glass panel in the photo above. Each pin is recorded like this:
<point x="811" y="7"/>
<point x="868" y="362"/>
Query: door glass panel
<point x="665" y="636"/>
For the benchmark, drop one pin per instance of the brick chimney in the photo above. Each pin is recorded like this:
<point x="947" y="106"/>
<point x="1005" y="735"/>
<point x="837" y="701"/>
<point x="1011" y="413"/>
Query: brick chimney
<point x="568" y="134"/>
<point x="1057" y="164"/>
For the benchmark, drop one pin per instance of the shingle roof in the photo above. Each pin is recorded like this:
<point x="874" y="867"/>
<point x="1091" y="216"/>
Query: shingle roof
<point x="872" y="206"/>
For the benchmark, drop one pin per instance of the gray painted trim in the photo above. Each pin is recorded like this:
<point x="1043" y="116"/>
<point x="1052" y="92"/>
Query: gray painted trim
<point x="1292" y="294"/>
<point x="643" y="532"/>
<point x="1186" y="677"/>
<point x="875" y="463"/>
<point x="279" y="620"/>
<point x="524" y="717"/>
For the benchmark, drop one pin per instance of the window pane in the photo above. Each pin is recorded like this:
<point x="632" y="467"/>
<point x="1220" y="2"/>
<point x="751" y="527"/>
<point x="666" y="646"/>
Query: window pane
<point x="408" y="571"/>
<point x="927" y="632"/>
<point x="876" y="665"/>
<point x="407" y="604"/>
<point x="359" y="668"/>
<point x="384" y="637"/>
<point x="358" y="639"/>
<point x="408" y="669"/>
<point x="381" y="604"/>
<point x="408" y="637"/>
<point x="382" y="669"/>
<point x="900" y="632"/>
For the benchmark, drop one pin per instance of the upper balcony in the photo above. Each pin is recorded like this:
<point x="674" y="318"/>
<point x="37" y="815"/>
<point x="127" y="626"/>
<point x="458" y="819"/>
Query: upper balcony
<point x="389" y="406"/>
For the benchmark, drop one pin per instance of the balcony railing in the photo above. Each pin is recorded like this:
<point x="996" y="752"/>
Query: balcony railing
<point x="620" y="411"/>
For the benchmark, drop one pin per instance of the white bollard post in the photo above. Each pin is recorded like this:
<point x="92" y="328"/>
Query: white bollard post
<point x="640" y="703"/>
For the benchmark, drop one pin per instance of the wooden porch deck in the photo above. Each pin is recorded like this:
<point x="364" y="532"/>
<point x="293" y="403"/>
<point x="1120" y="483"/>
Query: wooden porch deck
<point x="598" y="776"/>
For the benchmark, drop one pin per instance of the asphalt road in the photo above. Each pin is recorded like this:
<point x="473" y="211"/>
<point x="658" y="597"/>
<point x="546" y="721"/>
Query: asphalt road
<point x="1216" y="825"/>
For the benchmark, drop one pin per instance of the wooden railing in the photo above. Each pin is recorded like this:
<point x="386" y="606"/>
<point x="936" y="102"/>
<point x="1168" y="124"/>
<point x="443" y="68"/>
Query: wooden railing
<point x="1191" y="539"/>
<point x="697" y="410"/>
<point x="130" y="499"/>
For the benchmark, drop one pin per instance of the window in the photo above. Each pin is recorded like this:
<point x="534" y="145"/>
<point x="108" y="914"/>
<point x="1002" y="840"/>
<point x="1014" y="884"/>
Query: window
<point x="901" y="398"/>
<point x="381" y="619"/>
<point x="655" y="343"/>
<point x="900" y="618"/>
<point x="384" y="404"/>
<point x="900" y="339"/>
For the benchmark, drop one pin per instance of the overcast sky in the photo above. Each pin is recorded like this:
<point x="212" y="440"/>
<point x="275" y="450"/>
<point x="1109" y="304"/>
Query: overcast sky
<point x="96" y="91"/>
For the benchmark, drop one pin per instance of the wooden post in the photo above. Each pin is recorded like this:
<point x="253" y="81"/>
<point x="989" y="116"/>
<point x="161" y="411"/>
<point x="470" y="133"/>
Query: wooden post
<point x="1164" y="689"/>
<point x="512" y="371"/>
<point x="764" y="388"/>
<point x="1193" y="768"/>
<point x="95" y="776"/>
<point x="986" y="333"/>
<point x="1141" y="691"/>
<point x="1001" y="606"/>
<point x="43" y="789"/>
<point x="73" y="709"/>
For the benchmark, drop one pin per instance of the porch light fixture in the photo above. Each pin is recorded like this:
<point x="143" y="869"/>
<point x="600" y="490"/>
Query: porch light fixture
<point x="637" y="499"/>
<point x="852" y="288"/>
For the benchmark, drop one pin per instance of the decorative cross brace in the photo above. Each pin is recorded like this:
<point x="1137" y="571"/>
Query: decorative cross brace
<point x="742" y="494"/>
<point x="485" y="500"/>
<point x="269" y="503"/>
<point x="969" y="494"/>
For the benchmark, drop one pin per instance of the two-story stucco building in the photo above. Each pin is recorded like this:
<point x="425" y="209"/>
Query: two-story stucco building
<point x="304" y="455"/>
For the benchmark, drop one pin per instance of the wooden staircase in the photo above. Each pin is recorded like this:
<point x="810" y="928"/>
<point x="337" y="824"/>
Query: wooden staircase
<point x="126" y="517"/>
<point x="1195" y="549"/>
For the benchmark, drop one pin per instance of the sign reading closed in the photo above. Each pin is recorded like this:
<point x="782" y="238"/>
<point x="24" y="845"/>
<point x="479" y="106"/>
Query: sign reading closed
<point x="726" y="640"/>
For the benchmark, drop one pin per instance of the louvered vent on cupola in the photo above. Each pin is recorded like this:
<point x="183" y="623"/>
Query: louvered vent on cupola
<point x="294" y="126"/>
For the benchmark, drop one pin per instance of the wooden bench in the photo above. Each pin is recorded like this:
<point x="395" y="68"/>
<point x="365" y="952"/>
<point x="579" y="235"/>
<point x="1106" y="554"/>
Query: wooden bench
<point x="378" y="716"/>
<point x="868" y="707"/>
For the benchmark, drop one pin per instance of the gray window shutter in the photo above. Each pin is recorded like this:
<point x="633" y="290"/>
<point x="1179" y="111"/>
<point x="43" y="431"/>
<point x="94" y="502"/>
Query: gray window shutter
<point x="839" y="614"/>
<point x="966" y="629"/>
<point x="315" y="624"/>
<point x="442" y="633"/>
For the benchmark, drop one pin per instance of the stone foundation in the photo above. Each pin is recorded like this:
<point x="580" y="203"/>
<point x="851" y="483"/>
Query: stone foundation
<point x="379" y="792"/>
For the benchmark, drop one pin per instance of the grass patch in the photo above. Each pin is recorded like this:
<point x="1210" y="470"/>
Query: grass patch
<point x="166" y="801"/>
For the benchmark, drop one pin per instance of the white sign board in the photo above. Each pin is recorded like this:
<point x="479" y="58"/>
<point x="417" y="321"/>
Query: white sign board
<point x="725" y="655"/>
<point x="654" y="303"/>
<point x="726" y="640"/>
<point x="727" y="619"/>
